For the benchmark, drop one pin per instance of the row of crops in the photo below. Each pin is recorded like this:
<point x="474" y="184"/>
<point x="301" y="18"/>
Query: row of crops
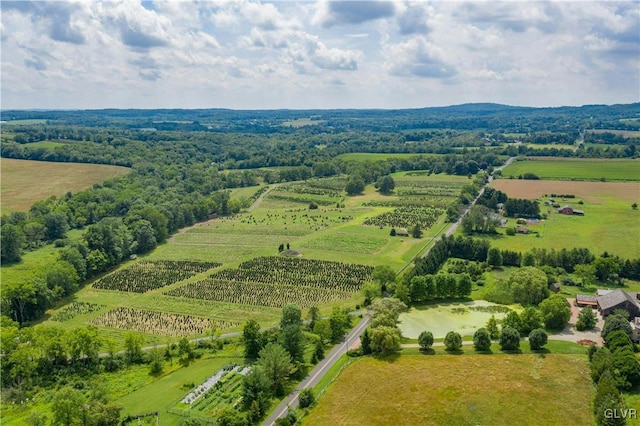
<point x="74" y="309"/>
<point x="277" y="281"/>
<point x="406" y="217"/>
<point x="248" y="293"/>
<point x="159" y="323"/>
<point x="144" y="276"/>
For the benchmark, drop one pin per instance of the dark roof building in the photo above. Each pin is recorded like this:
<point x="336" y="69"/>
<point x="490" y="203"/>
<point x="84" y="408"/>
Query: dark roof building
<point x="586" y="300"/>
<point x="618" y="299"/>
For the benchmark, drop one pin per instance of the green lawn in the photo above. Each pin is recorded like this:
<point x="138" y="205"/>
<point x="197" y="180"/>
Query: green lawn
<point x="610" y="225"/>
<point x="576" y="169"/>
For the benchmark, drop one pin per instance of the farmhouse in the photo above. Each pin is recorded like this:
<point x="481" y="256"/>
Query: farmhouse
<point x="568" y="210"/>
<point x="618" y="299"/>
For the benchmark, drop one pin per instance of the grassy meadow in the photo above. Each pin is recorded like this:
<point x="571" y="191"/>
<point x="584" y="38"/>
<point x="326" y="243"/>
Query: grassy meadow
<point x="609" y="223"/>
<point x="24" y="182"/>
<point x="576" y="169"/>
<point x="460" y="390"/>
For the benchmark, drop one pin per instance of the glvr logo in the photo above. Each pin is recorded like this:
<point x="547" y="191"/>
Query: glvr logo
<point x="614" y="413"/>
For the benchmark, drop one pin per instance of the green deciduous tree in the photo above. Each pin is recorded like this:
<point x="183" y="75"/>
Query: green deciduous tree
<point x="67" y="406"/>
<point x="11" y="242"/>
<point x="307" y="398"/>
<point x="586" y="319"/>
<point x="355" y="185"/>
<point x="385" y="184"/>
<point x="291" y="315"/>
<point x="512" y="320"/>
<point x="339" y="321"/>
<point x="385" y="340"/>
<point x="528" y="285"/>
<point x="555" y="312"/>
<point x="530" y="319"/>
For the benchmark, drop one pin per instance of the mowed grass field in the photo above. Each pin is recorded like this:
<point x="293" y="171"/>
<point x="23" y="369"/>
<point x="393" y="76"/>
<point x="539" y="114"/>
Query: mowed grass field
<point x="24" y="182"/>
<point x="576" y="169"/>
<point x="370" y="156"/>
<point x="523" y="389"/>
<point x="609" y="223"/>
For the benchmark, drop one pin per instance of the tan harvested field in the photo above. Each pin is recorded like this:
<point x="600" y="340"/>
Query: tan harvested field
<point x="589" y="191"/>
<point x="498" y="389"/>
<point x="24" y="182"/>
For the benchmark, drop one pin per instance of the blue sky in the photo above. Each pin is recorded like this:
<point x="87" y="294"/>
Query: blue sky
<point x="324" y="54"/>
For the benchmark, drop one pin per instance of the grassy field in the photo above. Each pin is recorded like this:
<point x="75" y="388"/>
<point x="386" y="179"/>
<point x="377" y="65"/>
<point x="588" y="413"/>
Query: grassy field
<point x="624" y="133"/>
<point x="459" y="390"/>
<point x="576" y="169"/>
<point x="609" y="223"/>
<point x="25" y="182"/>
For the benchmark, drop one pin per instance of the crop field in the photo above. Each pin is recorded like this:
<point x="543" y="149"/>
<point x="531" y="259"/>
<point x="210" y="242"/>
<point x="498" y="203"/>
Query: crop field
<point x="150" y="275"/>
<point x="609" y="223"/>
<point x="24" y="182"/>
<point x="458" y="390"/>
<point x="596" y="192"/>
<point x="227" y="270"/>
<point x="576" y="169"/>
<point x="278" y="281"/>
<point x="624" y="133"/>
<point x="160" y="323"/>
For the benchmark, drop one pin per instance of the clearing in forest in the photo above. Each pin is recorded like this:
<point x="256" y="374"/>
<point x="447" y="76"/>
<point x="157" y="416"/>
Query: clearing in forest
<point x="459" y="390"/>
<point x="575" y="169"/>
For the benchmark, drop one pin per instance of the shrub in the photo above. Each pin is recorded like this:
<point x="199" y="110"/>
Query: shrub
<point x="481" y="340"/>
<point x="537" y="339"/>
<point x="511" y="231"/>
<point x="453" y="341"/>
<point x="307" y="398"/>
<point x="509" y="339"/>
<point x="425" y="340"/>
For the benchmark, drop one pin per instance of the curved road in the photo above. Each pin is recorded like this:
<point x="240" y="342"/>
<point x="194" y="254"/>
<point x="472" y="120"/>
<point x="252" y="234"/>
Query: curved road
<point x="318" y="372"/>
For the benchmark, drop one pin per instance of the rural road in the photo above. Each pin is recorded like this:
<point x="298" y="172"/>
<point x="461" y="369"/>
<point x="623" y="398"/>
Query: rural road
<point x="452" y="228"/>
<point x="318" y="372"/>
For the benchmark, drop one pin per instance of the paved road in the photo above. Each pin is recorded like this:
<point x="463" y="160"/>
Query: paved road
<point x="318" y="372"/>
<point x="452" y="228"/>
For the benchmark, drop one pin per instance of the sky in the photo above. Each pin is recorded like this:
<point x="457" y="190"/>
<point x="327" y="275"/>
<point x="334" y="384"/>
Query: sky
<point x="322" y="54"/>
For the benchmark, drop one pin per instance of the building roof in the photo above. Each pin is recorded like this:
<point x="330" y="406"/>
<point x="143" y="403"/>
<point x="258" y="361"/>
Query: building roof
<point x="615" y="298"/>
<point x="602" y="292"/>
<point x="586" y="298"/>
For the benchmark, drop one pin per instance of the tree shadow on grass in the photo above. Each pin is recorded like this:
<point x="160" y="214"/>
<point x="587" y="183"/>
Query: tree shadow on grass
<point x="512" y="351"/>
<point x="541" y="351"/>
<point x="487" y="352"/>
<point x="390" y="358"/>
<point x="454" y="352"/>
<point x="429" y="351"/>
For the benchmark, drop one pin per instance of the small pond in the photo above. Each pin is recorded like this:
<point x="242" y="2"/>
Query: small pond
<point x="441" y="318"/>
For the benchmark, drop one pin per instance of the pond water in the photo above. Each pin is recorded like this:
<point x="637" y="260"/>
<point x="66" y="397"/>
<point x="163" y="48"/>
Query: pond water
<point x="464" y="318"/>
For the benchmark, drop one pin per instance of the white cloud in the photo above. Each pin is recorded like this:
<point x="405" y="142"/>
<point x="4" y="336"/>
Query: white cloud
<point x="248" y="54"/>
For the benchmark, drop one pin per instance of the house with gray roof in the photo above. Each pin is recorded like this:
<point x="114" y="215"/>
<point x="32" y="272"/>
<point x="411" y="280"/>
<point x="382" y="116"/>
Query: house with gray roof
<point x="618" y="299"/>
